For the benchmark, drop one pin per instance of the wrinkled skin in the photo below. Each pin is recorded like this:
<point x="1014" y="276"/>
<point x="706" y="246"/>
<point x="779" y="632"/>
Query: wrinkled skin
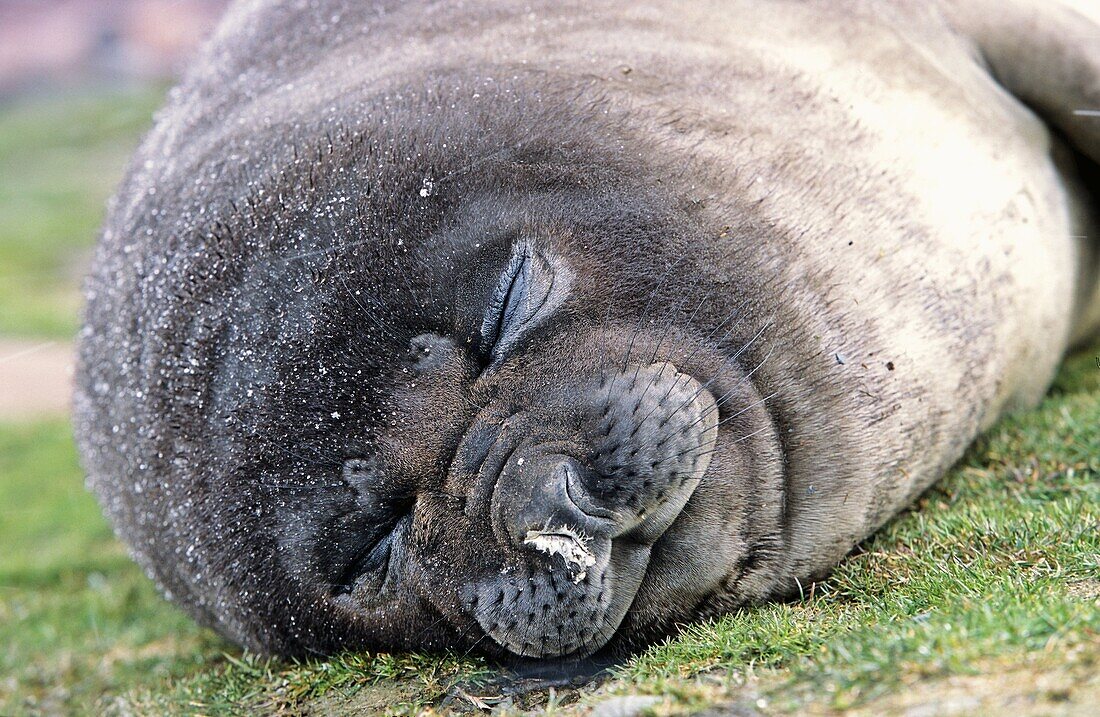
<point x="428" y="327"/>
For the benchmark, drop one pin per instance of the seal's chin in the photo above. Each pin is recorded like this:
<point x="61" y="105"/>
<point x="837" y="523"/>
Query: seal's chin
<point x="574" y="517"/>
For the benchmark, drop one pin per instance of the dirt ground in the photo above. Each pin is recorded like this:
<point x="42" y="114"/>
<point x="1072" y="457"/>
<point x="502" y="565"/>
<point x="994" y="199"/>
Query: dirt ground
<point x="35" y="378"/>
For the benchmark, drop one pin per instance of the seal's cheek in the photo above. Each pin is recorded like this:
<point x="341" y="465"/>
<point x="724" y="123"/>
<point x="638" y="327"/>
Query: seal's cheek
<point x="726" y="548"/>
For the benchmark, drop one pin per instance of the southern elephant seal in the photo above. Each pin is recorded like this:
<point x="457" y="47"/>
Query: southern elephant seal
<point x="539" y="327"/>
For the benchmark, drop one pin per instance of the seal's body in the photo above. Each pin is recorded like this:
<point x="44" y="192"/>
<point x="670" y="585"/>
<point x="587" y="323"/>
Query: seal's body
<point x="540" y="327"/>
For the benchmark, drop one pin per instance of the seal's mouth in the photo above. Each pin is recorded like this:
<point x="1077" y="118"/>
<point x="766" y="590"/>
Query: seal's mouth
<point x="575" y="516"/>
<point x="566" y="542"/>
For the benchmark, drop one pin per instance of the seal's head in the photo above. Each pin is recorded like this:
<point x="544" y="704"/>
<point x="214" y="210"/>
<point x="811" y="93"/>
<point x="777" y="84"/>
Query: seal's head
<point x="565" y="450"/>
<point x="535" y="476"/>
<point x="496" y="396"/>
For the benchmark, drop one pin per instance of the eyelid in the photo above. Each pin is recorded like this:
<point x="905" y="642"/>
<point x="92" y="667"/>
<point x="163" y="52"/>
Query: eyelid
<point x="528" y="289"/>
<point x="494" y="323"/>
<point x="390" y="511"/>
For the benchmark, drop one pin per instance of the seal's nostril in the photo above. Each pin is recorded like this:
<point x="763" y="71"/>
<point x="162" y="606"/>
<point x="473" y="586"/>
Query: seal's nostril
<point x="578" y="495"/>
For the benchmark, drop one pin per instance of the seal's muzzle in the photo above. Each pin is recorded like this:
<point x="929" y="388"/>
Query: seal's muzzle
<point x="577" y="518"/>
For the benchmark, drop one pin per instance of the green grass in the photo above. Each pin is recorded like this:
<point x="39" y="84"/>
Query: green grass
<point x="995" y="572"/>
<point x="78" y="620"/>
<point x="60" y="158"/>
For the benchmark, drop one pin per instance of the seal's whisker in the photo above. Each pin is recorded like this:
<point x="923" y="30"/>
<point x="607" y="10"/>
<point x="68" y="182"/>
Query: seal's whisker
<point x="710" y="381"/>
<point x="673" y="314"/>
<point x="370" y="316"/>
<point x="601" y="628"/>
<point x="754" y="404"/>
<point x="715" y="407"/>
<point x="728" y="395"/>
<point x="696" y="447"/>
<point x="478" y="162"/>
<point x="688" y="323"/>
<point x="694" y="351"/>
<point x="429" y="626"/>
<point x="470" y="627"/>
<point x="656" y="348"/>
<point x="672" y="385"/>
<point x="603" y="347"/>
<point x="720" y="401"/>
<point x="328" y="250"/>
<point x="747" y="436"/>
<point x="734" y="312"/>
<point x="736" y="440"/>
<point x="645" y="309"/>
<point x="399" y="266"/>
<point x="712" y="450"/>
<point x="478" y="641"/>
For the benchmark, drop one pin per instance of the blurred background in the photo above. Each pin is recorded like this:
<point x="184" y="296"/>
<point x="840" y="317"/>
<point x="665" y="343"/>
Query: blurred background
<point x="79" y="81"/>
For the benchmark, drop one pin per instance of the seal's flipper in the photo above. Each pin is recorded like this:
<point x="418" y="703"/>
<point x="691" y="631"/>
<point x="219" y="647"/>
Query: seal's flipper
<point x="1047" y="54"/>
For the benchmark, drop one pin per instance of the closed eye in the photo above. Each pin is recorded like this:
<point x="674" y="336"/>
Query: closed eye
<point x="386" y="516"/>
<point x="375" y="564"/>
<point x="528" y="289"/>
<point x="372" y="568"/>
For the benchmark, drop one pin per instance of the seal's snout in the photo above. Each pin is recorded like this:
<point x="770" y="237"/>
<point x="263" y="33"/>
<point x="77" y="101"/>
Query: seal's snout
<point x="578" y="514"/>
<point x="535" y="494"/>
<point x="650" y="433"/>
